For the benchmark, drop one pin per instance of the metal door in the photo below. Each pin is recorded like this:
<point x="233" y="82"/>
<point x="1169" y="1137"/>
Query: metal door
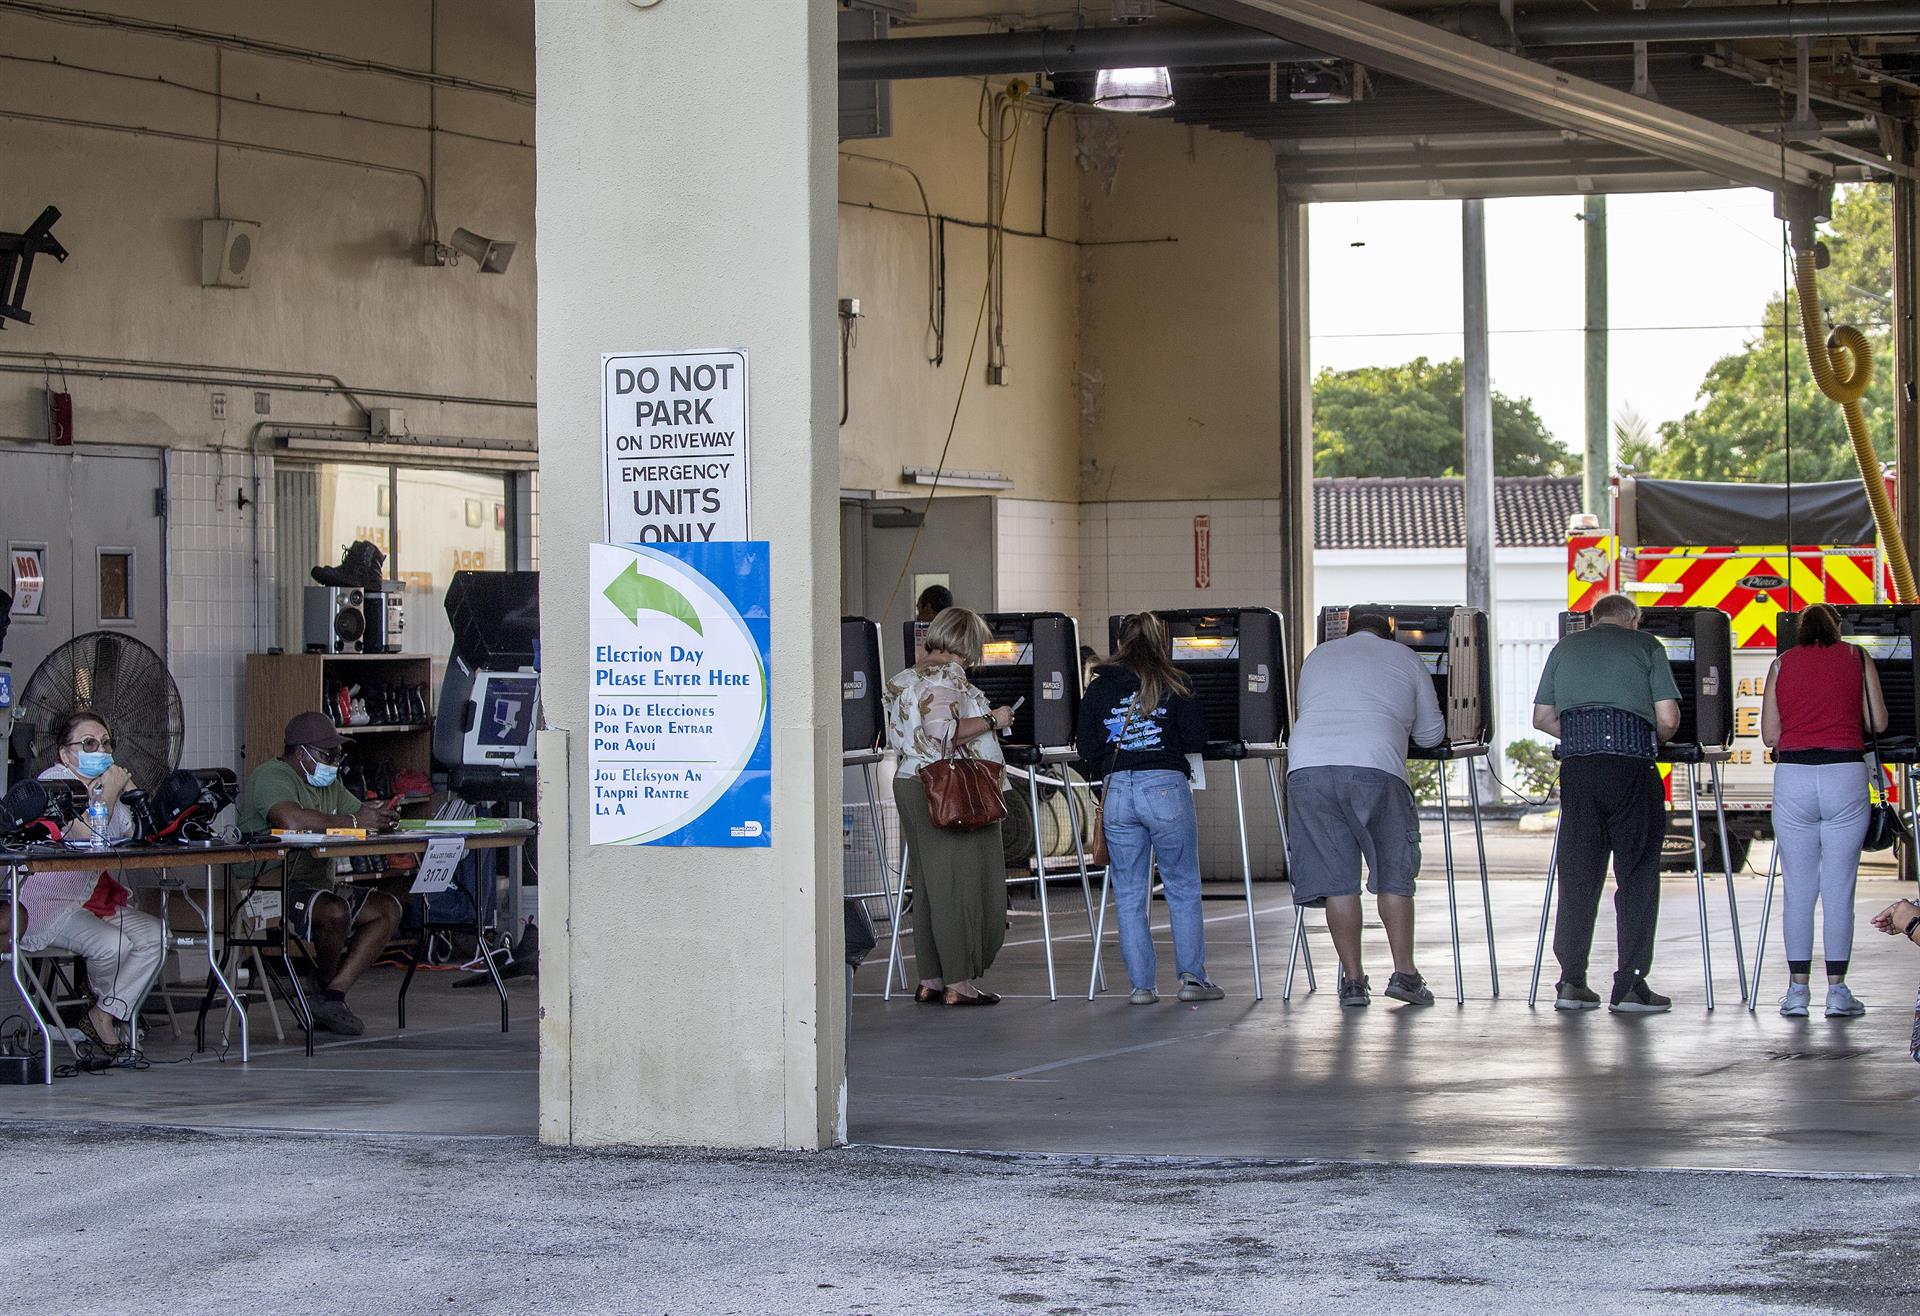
<point x="93" y="519"/>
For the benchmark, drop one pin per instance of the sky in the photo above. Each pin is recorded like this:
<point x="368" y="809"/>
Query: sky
<point x="1689" y="274"/>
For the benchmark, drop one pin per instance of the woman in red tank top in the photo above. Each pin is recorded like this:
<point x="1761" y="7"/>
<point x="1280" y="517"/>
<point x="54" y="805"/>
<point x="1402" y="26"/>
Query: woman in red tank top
<point x="1821" y="696"/>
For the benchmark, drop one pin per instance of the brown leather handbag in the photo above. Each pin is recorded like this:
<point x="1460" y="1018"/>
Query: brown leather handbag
<point x="963" y="793"/>
<point x="1098" y="855"/>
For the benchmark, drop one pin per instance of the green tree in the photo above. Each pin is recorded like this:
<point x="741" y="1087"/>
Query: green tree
<point x="1758" y="409"/>
<point x="1406" y="420"/>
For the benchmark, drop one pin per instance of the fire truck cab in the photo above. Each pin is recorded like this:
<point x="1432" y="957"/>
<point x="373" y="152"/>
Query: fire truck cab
<point x="1750" y="550"/>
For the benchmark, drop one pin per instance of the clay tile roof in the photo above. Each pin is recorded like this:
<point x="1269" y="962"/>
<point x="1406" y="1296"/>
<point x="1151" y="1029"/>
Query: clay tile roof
<point x="1530" y="511"/>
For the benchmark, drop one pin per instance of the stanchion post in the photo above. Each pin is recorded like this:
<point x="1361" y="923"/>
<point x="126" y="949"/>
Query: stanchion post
<point x="1726" y="866"/>
<point x="1699" y="880"/>
<point x="1546" y="909"/>
<point x="1766" y="912"/>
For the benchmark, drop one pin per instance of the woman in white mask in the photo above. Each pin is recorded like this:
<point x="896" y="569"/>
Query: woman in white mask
<point x="85" y="912"/>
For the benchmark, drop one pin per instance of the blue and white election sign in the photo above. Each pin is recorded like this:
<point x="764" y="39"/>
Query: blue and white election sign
<point x="680" y="744"/>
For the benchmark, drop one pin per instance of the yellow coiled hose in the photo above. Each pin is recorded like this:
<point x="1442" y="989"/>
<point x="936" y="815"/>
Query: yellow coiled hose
<point x="1842" y="364"/>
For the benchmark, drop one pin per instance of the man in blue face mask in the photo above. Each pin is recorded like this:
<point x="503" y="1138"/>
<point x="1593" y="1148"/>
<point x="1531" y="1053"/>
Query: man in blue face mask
<point x="348" y="924"/>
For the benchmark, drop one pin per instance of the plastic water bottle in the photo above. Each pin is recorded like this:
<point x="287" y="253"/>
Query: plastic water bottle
<point x="99" y="817"/>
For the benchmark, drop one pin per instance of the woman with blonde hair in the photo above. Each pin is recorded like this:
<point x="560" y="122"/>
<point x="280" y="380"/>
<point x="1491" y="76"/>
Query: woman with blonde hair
<point x="1138" y="722"/>
<point x="1821" y="695"/>
<point x="959" y="877"/>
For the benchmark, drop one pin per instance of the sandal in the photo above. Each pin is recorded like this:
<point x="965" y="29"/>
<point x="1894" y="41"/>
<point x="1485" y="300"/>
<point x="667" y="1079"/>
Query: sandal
<point x="925" y="995"/>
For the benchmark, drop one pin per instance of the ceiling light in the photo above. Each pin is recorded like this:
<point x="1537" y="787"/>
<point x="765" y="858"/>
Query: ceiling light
<point x="1320" y="84"/>
<point x="1134" y="90"/>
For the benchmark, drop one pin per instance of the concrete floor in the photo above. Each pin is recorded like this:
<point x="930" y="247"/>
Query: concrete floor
<point x="452" y="1071"/>
<point x="1490" y="1082"/>
<point x="117" y="1220"/>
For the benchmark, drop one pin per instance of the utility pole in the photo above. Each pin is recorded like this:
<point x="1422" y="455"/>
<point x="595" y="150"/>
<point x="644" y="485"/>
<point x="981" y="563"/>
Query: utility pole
<point x="1477" y="417"/>
<point x="1598" y="466"/>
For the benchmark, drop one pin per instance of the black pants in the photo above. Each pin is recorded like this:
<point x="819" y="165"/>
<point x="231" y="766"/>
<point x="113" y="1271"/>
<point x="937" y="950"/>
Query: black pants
<point x="1609" y="807"/>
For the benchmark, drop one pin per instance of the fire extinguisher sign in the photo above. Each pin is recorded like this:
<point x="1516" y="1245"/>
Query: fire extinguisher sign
<point x="1203" y="552"/>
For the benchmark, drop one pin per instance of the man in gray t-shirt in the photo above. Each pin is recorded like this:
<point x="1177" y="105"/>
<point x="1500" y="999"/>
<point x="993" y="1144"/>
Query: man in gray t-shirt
<point x="1362" y="699"/>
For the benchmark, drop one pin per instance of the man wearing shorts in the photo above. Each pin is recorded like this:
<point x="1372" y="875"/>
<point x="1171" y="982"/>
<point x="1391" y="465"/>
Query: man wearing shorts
<point x="347" y="923"/>
<point x="1362" y="699"/>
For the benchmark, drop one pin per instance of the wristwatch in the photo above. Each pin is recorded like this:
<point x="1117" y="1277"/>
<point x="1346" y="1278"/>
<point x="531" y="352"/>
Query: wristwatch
<point x="1911" y="925"/>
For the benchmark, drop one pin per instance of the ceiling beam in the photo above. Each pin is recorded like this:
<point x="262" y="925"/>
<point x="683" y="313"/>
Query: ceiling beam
<point x="1393" y="43"/>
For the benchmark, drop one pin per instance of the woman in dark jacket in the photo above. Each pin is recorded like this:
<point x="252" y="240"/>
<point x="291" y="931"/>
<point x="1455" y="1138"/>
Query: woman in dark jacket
<point x="1138" y="722"/>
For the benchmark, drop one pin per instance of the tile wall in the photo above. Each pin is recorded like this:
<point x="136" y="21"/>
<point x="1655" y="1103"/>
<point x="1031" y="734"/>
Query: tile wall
<point x="1037" y="558"/>
<point x="219" y="604"/>
<point x="1141" y="555"/>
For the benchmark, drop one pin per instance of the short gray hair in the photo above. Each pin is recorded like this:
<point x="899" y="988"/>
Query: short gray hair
<point x="959" y="631"/>
<point x="1616" y="608"/>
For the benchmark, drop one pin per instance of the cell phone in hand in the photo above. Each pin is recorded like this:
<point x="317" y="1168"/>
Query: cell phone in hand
<point x="1007" y="730"/>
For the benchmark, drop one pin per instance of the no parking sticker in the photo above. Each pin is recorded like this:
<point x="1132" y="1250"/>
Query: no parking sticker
<point x="674" y="442"/>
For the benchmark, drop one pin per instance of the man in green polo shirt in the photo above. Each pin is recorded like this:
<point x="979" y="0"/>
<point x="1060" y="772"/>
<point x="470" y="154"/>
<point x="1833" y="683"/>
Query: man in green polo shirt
<point x="1609" y="697"/>
<point x="348" y="924"/>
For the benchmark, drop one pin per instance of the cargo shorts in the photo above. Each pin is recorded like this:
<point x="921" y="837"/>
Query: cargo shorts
<point x="1339" y="816"/>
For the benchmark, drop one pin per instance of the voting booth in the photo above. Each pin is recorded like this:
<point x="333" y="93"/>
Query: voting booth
<point x="1455" y="645"/>
<point x="1236" y="661"/>
<point x="1030" y="663"/>
<point x="1883" y="632"/>
<point x="1699" y="647"/>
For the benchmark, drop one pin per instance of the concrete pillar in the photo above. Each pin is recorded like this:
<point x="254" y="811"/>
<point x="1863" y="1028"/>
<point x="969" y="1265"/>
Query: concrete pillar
<point x="1598" y="463"/>
<point x="692" y="996"/>
<point x="1477" y="469"/>
<point x="1296" y="431"/>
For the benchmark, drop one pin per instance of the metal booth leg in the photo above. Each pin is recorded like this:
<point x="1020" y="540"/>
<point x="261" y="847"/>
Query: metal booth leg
<point x="1726" y="866"/>
<point x="1486" y="892"/>
<point x="1546" y="910"/>
<point x="1453" y="908"/>
<point x="14" y="962"/>
<point x="880" y="857"/>
<point x="1086" y="883"/>
<point x="1700" y="880"/>
<point x="1300" y="949"/>
<point x="1766" y="912"/>
<point x="1913" y="816"/>
<point x="1040" y="876"/>
<point x="1246" y="876"/>
<point x="896" y="901"/>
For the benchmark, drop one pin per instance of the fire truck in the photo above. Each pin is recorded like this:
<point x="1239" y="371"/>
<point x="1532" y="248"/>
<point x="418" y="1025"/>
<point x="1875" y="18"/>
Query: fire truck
<point x="1750" y="550"/>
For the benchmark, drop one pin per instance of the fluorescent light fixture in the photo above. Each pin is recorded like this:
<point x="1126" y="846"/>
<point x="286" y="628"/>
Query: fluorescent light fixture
<point x="955" y="479"/>
<point x="1136" y="91"/>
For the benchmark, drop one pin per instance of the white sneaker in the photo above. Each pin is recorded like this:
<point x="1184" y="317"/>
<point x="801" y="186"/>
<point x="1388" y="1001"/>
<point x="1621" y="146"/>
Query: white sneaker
<point x="1144" y="996"/>
<point x="1794" y="1004"/>
<point x="1842" y="1004"/>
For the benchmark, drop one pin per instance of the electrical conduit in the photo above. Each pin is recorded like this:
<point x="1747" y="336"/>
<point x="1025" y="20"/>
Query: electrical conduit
<point x="1842" y="364"/>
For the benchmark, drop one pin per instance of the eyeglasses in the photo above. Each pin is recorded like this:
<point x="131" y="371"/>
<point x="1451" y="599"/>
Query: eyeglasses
<point x="335" y="757"/>
<point x="91" y="744"/>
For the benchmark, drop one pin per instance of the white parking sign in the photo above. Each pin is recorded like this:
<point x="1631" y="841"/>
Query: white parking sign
<point x="674" y="429"/>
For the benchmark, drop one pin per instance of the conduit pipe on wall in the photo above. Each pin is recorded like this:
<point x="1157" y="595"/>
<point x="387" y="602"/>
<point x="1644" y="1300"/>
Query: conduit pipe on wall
<point x="181" y="372"/>
<point x="1213" y="44"/>
<point x="1842" y="364"/>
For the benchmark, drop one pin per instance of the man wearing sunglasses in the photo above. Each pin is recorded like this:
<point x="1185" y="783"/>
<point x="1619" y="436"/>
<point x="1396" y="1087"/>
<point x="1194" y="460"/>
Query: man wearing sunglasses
<point x="348" y="924"/>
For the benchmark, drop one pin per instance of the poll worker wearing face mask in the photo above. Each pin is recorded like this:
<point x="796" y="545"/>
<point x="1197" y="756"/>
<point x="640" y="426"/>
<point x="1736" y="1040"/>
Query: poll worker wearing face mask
<point x="347" y="923"/>
<point x="86" y="912"/>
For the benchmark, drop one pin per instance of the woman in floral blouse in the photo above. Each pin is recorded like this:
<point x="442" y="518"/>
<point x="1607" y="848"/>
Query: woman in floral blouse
<point x="959" y="878"/>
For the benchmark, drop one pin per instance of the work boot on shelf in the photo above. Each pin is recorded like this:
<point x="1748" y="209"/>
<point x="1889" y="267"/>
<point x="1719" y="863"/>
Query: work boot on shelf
<point x="360" y="568"/>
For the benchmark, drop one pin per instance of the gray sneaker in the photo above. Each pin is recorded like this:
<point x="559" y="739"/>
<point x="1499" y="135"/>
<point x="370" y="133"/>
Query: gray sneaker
<point x="1354" y="993"/>
<point x="1200" y="989"/>
<point x="1411" y="988"/>
<point x="1144" y="996"/>
<point x="1843" y="1004"/>
<point x="335" y="1017"/>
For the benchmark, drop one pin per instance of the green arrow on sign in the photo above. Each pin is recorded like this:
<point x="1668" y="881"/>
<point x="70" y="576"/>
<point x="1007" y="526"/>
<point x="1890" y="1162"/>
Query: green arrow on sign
<point x="634" y="593"/>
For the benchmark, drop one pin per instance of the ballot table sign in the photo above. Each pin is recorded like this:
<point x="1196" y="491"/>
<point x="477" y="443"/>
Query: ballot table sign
<point x="674" y="444"/>
<point x="679" y="740"/>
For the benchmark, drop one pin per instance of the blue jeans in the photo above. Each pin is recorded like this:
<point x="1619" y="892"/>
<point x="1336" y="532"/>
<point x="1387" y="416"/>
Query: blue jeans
<point x="1150" y="815"/>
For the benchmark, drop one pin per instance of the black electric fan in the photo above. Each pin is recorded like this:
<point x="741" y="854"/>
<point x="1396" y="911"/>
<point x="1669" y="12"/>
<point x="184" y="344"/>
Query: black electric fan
<point x="122" y="682"/>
